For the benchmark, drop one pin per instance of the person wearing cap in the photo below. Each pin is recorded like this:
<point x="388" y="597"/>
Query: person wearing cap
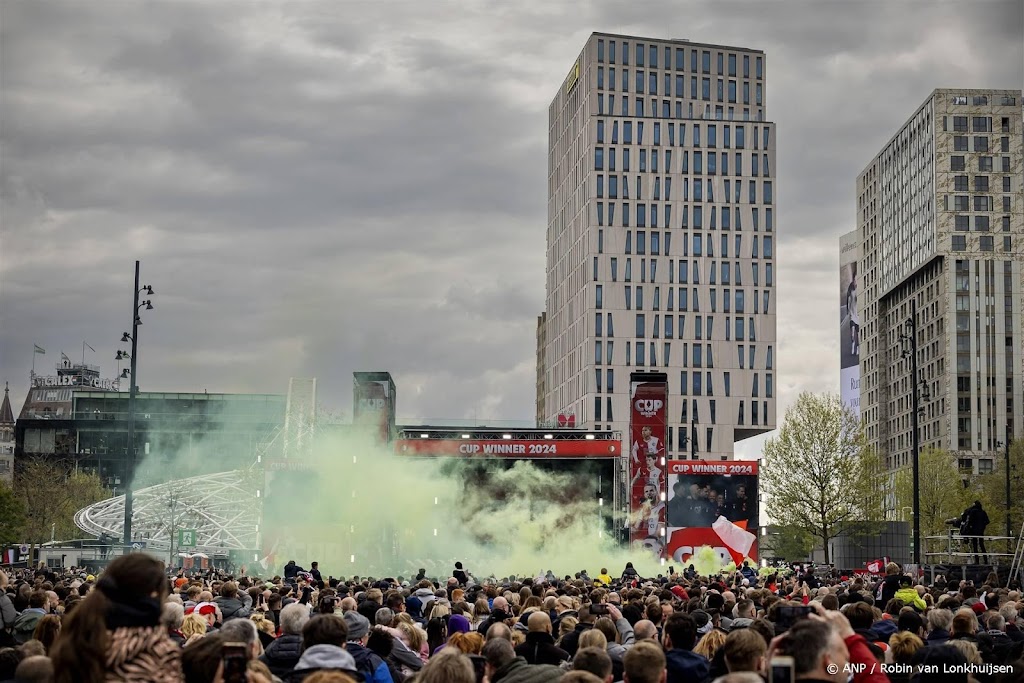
<point x="369" y="664"/>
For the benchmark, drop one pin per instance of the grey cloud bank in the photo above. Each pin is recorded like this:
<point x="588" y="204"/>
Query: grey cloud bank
<point x="317" y="188"/>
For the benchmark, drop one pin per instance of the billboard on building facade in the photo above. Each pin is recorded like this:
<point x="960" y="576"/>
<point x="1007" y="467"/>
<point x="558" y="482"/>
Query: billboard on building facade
<point x="714" y="504"/>
<point x="849" y="321"/>
<point x="648" y="412"/>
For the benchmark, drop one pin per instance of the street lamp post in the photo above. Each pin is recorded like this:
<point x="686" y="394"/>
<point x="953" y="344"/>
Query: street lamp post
<point x="132" y="390"/>
<point x="1009" y="528"/>
<point x="909" y="340"/>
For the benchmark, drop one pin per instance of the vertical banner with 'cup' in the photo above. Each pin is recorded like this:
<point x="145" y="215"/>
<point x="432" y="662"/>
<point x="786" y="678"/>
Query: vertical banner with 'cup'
<point x="646" y="452"/>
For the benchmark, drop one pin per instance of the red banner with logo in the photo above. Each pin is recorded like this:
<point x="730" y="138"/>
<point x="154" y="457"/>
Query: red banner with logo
<point x="648" y="412"/>
<point x="712" y="504"/>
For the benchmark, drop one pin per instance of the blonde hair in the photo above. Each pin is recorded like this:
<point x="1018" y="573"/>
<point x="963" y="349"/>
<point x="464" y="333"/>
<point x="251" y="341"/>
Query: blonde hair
<point x="968" y="650"/>
<point x="439" y="611"/>
<point x="892" y="568"/>
<point x="414" y="637"/>
<point x="710" y="643"/>
<point x="593" y="638"/>
<point x="448" y="666"/>
<point x="903" y="645"/>
<point x="262" y="623"/>
<point x="567" y="625"/>
<point x="193" y="625"/>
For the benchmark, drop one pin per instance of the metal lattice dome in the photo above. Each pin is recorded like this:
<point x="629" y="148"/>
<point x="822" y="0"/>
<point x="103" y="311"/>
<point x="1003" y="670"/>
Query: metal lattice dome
<point x="222" y="508"/>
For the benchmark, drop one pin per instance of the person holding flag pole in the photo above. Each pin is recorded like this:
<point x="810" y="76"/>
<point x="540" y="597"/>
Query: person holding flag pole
<point x="36" y="348"/>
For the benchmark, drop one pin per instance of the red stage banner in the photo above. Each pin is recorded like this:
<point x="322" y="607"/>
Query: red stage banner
<point x="509" y="448"/>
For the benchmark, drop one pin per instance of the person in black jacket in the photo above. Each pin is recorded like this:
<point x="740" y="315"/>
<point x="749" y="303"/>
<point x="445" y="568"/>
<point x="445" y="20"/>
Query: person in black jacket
<point x="540" y="647"/>
<point x="283" y="654"/>
<point x="972" y="523"/>
<point x="460" y="574"/>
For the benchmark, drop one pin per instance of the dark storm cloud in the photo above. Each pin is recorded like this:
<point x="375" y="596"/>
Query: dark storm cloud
<point x="317" y="188"/>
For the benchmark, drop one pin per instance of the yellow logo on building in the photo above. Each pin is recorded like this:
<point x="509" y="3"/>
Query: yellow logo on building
<point x="574" y="76"/>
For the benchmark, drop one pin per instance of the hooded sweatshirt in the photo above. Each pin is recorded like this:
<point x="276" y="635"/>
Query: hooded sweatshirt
<point x="910" y="597"/>
<point x="321" y="657"/>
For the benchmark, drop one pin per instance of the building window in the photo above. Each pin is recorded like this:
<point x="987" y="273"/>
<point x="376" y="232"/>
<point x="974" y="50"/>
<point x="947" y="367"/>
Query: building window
<point x="963" y="222"/>
<point x="985" y="164"/>
<point x="960" y="143"/>
<point x="956" y="163"/>
<point x="987" y="243"/>
<point x="980" y="143"/>
<point x="598" y="159"/>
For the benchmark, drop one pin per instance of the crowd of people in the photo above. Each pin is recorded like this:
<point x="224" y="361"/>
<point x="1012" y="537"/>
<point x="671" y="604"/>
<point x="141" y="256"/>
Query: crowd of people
<point x="137" y="622"/>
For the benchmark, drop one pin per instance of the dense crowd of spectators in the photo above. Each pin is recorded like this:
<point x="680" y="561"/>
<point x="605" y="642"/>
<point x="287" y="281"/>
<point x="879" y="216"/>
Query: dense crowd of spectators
<point x="134" y="622"/>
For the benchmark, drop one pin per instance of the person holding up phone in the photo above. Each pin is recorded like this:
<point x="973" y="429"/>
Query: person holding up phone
<point x="822" y="648"/>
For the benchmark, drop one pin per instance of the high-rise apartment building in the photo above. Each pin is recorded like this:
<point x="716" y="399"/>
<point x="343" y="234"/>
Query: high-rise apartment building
<point x="941" y="220"/>
<point x="661" y="240"/>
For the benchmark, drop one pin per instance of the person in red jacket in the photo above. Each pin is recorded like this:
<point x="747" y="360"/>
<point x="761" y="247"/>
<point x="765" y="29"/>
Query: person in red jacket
<point x="824" y="647"/>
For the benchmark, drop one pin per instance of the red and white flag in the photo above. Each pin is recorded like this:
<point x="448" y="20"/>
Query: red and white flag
<point x="877" y="566"/>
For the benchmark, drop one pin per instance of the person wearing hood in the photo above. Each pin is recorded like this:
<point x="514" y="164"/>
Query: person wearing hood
<point x="282" y="655"/>
<point x="683" y="665"/>
<point x="26" y="622"/>
<point x="540" y="647"/>
<point x="629" y="574"/>
<point x="231" y="606"/>
<point x="908" y="594"/>
<point x="503" y="666"/>
<point x="323" y="649"/>
<point x="114" y="633"/>
<point x="368" y="664"/>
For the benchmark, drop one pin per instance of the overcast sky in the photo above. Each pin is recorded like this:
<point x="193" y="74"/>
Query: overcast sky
<point x="318" y="188"/>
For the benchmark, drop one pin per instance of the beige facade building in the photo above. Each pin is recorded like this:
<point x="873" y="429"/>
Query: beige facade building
<point x="941" y="216"/>
<point x="661" y="240"/>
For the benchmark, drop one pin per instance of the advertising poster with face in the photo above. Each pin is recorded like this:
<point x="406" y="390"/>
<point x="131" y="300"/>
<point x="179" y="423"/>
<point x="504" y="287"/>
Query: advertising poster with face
<point x="648" y="406"/>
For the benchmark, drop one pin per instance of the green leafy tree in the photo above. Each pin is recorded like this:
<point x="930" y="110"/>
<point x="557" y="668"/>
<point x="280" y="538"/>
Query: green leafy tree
<point x="12" y="516"/>
<point x="52" y="491"/>
<point x="818" y="476"/>
<point x="991" y="490"/>
<point x="789" y="543"/>
<point x="942" y="493"/>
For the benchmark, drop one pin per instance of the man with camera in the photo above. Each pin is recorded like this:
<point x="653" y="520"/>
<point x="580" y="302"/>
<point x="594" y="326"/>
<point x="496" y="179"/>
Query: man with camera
<point x="972" y="524"/>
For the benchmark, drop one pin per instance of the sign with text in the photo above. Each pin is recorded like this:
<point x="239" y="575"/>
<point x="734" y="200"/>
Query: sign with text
<point x="76" y="381"/>
<point x="712" y="503"/>
<point x="647" y="417"/>
<point x="508" y="448"/>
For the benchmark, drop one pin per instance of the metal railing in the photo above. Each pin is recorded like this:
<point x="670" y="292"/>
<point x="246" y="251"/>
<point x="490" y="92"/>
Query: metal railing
<point x="959" y="546"/>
